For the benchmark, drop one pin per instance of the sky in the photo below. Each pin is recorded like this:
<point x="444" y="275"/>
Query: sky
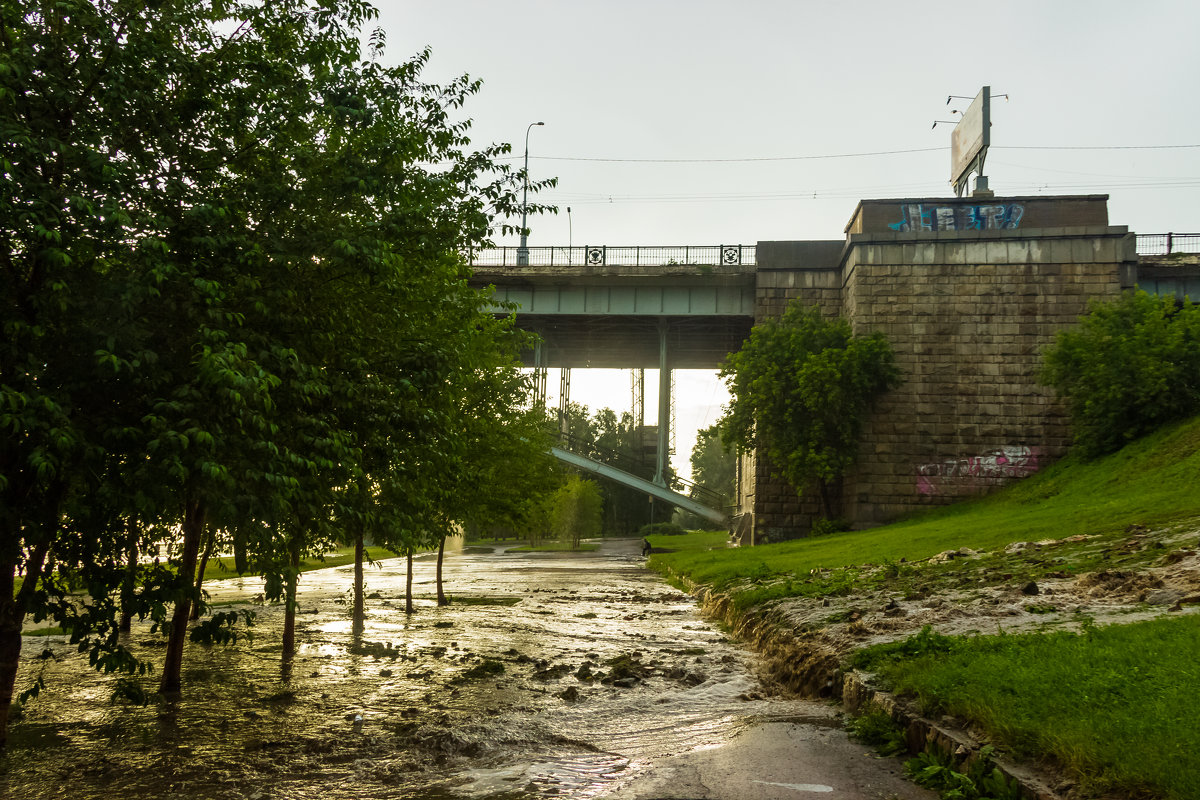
<point x="700" y="122"/>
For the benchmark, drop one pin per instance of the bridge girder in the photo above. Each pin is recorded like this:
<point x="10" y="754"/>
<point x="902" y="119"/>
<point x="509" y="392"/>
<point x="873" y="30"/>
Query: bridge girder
<point x="632" y="342"/>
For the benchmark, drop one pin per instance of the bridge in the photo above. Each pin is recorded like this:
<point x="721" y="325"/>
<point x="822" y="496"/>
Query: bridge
<point x="689" y="306"/>
<point x="638" y="308"/>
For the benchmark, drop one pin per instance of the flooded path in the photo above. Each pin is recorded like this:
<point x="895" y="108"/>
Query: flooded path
<point x="551" y="675"/>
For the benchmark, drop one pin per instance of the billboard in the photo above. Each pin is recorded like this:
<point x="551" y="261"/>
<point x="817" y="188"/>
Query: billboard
<point x="970" y="137"/>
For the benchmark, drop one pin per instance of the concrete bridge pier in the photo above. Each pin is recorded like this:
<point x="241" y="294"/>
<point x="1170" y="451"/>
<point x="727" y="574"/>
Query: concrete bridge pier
<point x="664" y="406"/>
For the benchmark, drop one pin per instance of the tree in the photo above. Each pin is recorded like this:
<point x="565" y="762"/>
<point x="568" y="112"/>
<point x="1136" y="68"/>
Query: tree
<point x="801" y="387"/>
<point x="714" y="466"/>
<point x="614" y="440"/>
<point x="576" y="511"/>
<point x="1128" y="368"/>
<point x="215" y="221"/>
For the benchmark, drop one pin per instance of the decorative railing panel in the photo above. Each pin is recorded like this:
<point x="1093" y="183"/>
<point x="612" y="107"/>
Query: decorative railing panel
<point x="1164" y="244"/>
<point x="729" y="255"/>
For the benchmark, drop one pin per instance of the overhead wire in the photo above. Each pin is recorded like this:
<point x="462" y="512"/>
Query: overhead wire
<point x="836" y="193"/>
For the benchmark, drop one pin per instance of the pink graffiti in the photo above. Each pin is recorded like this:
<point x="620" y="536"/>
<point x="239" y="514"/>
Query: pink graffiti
<point x="989" y="469"/>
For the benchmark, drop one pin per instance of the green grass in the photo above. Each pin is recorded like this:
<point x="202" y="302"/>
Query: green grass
<point x="1150" y="483"/>
<point x="44" y="632"/>
<point x="700" y="541"/>
<point x="554" y="547"/>
<point x="1114" y="706"/>
<point x="222" y="568"/>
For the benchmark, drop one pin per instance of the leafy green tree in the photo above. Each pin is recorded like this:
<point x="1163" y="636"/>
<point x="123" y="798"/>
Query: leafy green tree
<point x="801" y="387"/>
<point x="1129" y="367"/>
<point x="218" y="223"/>
<point x="576" y="511"/>
<point x="614" y="440"/>
<point x="714" y="466"/>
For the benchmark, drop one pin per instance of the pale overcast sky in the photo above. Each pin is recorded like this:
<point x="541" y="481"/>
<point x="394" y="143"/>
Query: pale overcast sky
<point x="701" y="122"/>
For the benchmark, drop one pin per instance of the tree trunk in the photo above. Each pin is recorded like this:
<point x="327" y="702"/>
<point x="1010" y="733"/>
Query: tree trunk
<point x="441" y="596"/>
<point x="194" y="513"/>
<point x="289" y="611"/>
<point x="831" y="495"/>
<point x="129" y="582"/>
<point x="197" y="598"/>
<point x="12" y="617"/>
<point x="358" y="614"/>
<point x="408" y="603"/>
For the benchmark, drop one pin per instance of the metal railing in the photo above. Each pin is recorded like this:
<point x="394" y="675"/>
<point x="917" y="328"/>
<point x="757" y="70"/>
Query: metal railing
<point x="635" y="256"/>
<point x="1164" y="244"/>
<point x="1148" y="244"/>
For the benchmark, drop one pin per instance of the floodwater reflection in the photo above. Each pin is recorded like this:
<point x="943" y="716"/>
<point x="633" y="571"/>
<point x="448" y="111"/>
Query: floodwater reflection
<point x="550" y="674"/>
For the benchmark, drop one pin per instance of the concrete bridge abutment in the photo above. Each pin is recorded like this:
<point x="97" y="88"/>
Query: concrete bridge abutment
<point x="969" y="291"/>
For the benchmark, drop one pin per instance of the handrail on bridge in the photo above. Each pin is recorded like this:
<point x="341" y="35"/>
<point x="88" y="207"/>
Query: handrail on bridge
<point x="1165" y="244"/>
<point x="633" y="256"/>
<point x="1148" y="244"/>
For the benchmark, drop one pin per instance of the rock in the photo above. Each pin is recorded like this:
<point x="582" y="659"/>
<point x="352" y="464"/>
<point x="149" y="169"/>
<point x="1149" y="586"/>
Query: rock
<point x="1163" y="597"/>
<point x="570" y="694"/>
<point x="1030" y="588"/>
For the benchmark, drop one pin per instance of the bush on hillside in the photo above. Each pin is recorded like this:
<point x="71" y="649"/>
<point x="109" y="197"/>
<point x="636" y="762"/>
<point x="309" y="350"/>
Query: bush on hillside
<point x="801" y="388"/>
<point x="1128" y="368"/>
<point x="662" y="529"/>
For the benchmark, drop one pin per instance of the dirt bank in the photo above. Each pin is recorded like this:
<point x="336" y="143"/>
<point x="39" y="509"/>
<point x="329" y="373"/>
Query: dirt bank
<point x="1058" y="584"/>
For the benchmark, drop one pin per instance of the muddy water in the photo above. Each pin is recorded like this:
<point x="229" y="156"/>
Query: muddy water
<point x="510" y="692"/>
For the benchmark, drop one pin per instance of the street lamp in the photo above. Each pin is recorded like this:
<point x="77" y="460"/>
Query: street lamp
<point x="523" y="250"/>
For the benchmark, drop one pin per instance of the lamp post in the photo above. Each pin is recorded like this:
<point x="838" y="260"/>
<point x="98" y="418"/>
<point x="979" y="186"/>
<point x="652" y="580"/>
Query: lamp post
<point x="523" y="250"/>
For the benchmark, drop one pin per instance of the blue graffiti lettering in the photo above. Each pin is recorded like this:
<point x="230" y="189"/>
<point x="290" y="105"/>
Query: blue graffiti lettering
<point x="921" y="217"/>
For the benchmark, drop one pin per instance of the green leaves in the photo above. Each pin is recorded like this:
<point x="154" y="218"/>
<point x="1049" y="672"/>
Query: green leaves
<point x="1128" y="368"/>
<point x="229" y="251"/>
<point x="802" y="386"/>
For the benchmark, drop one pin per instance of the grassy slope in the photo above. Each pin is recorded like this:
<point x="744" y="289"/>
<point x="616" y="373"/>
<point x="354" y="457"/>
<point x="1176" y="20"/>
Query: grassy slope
<point x="1152" y="482"/>
<point x="1114" y="706"/>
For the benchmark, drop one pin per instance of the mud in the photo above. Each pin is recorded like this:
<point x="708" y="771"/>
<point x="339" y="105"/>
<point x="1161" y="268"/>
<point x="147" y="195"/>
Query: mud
<point x="548" y="675"/>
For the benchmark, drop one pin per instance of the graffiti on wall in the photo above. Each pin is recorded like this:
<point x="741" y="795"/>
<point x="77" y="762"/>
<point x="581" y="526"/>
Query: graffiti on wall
<point x="921" y="217"/>
<point x="970" y="475"/>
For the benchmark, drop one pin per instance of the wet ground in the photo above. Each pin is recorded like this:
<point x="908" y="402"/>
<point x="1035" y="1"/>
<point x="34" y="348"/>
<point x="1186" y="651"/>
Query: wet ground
<point x="551" y="675"/>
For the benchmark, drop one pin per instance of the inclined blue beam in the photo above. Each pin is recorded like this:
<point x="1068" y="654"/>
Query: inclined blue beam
<point x="641" y="484"/>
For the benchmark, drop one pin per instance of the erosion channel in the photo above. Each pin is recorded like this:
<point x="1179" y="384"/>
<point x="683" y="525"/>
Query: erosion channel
<point x="551" y="674"/>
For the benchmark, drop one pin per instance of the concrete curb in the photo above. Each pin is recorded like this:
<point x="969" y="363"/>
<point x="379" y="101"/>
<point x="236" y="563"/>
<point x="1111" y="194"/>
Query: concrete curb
<point x="856" y="691"/>
<point x="922" y="733"/>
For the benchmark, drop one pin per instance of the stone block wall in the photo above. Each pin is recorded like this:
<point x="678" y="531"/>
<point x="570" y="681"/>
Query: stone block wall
<point x="969" y="316"/>
<point x="968" y="312"/>
<point x="815" y="277"/>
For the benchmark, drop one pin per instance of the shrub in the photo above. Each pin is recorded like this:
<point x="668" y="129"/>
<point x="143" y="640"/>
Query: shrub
<point x="801" y="388"/>
<point x="1128" y="368"/>
<point x="662" y="529"/>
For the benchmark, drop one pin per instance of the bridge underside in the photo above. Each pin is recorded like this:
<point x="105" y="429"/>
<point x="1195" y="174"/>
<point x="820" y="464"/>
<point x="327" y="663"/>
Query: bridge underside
<point x="633" y="342"/>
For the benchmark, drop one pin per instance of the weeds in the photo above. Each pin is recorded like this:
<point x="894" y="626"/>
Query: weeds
<point x="130" y="690"/>
<point x="983" y="780"/>
<point x="875" y="728"/>
<point x="924" y="643"/>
